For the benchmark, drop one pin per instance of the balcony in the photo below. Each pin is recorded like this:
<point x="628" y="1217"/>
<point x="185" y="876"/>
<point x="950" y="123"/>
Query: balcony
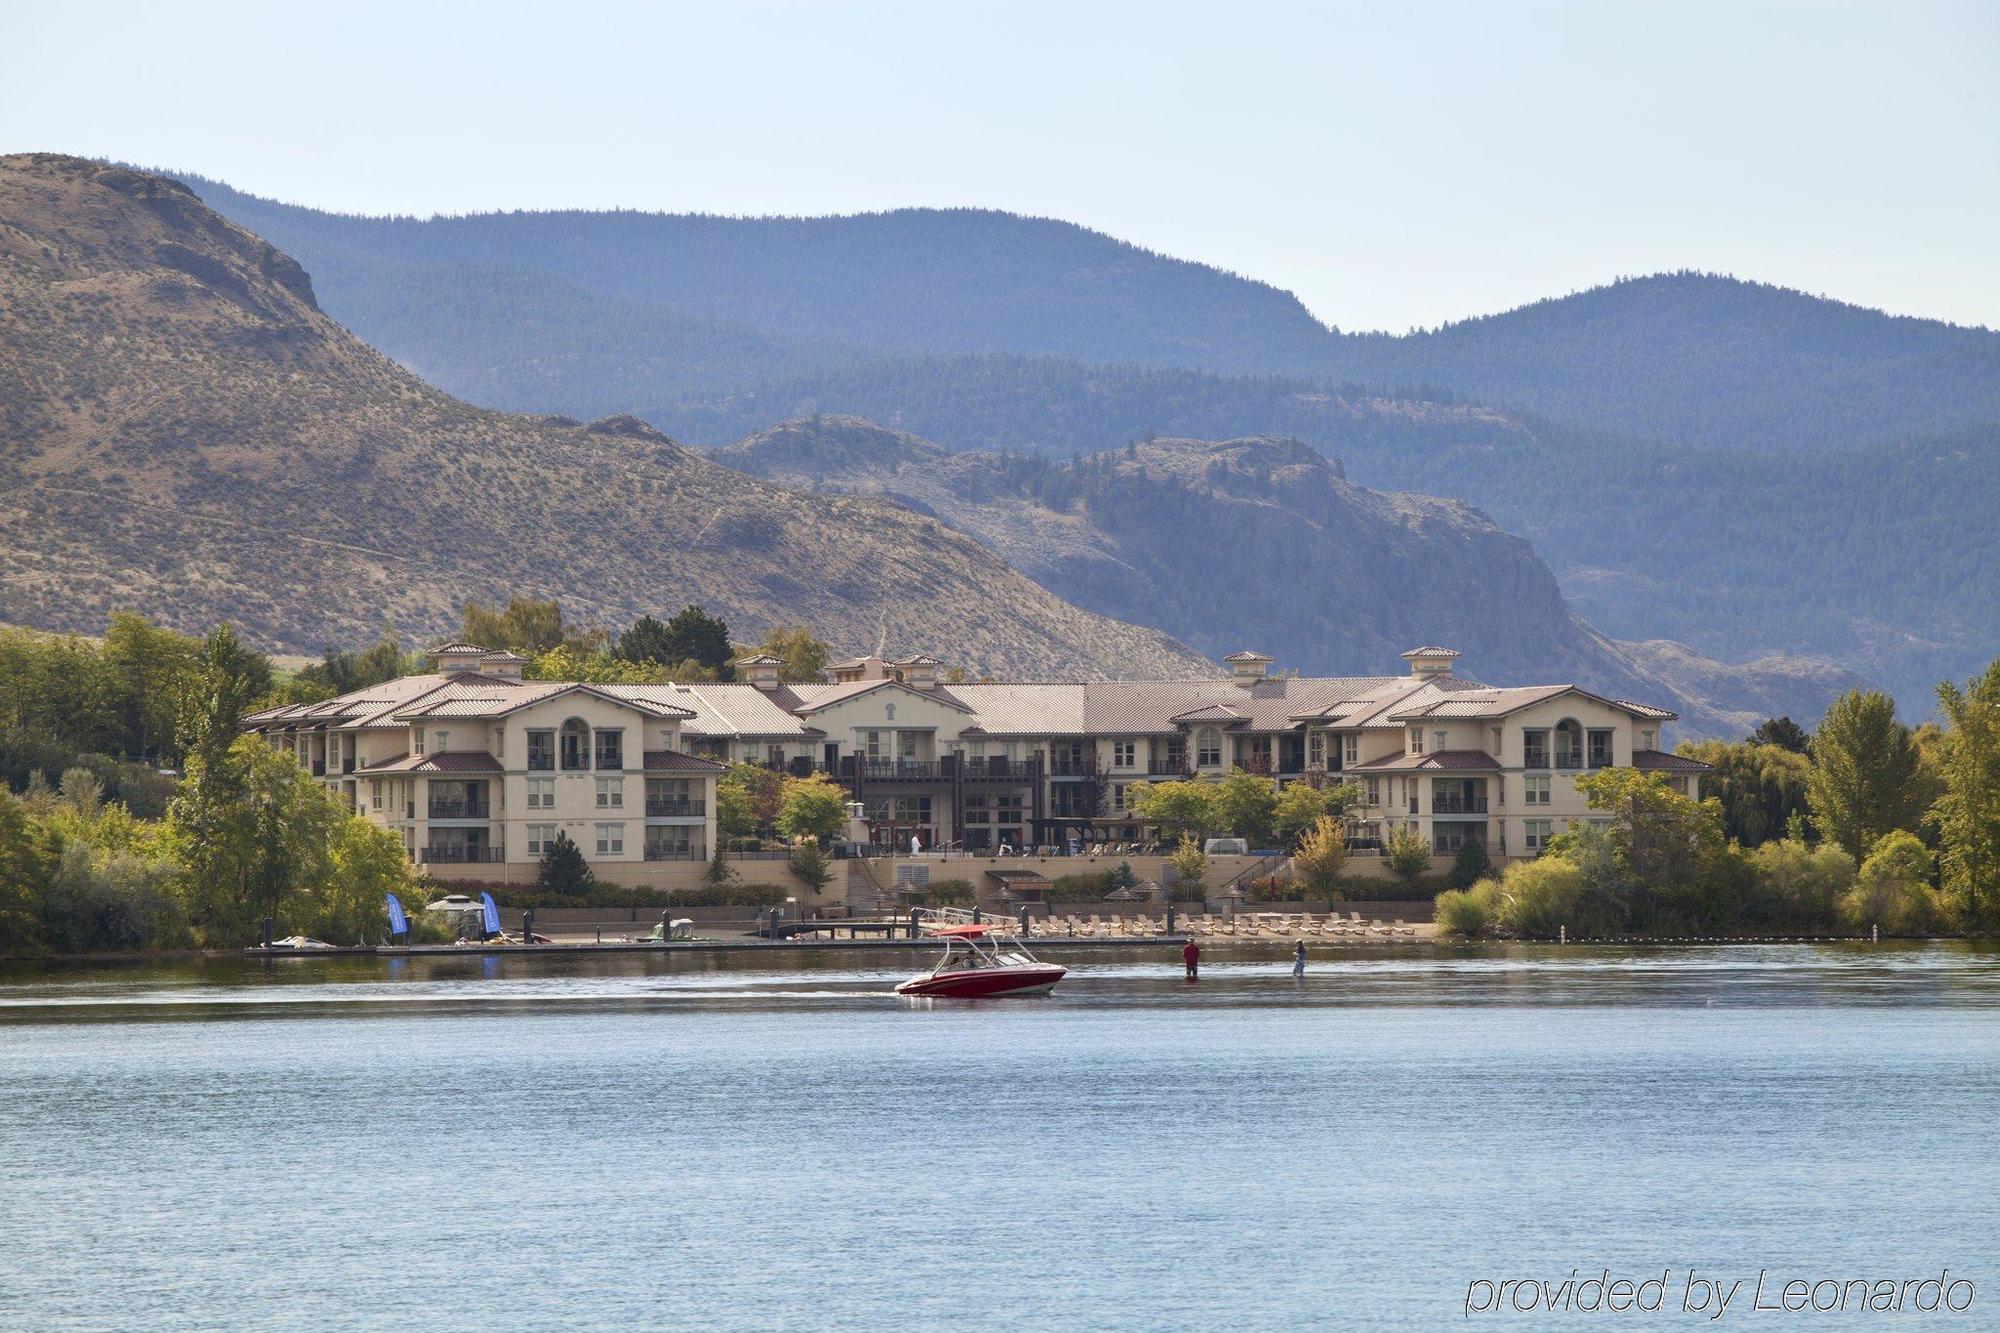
<point x="1457" y="803"/>
<point x="669" y="807"/>
<point x="464" y="856"/>
<point x="657" y="853"/>
<point x="1569" y="759"/>
<point x="445" y="807"/>
<point x="998" y="768"/>
<point x="1070" y="766"/>
<point x="319" y="768"/>
<point x="898" y="770"/>
<point x="1173" y="766"/>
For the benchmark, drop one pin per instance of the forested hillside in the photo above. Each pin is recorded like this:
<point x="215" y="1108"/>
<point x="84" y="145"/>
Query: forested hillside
<point x="912" y="281"/>
<point x="1263" y="541"/>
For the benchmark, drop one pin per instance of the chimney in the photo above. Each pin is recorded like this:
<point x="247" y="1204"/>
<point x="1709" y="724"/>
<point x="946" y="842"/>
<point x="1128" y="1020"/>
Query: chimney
<point x="760" y="669"/>
<point x="918" y="670"/>
<point x="1248" y="668"/>
<point x="457" y="656"/>
<point x="1430" y="661"/>
<point x="505" y="666"/>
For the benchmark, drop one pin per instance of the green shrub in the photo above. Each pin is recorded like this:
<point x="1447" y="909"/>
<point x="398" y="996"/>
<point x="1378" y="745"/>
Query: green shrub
<point x="1088" y="885"/>
<point x="1471" y="912"/>
<point x="1470" y="866"/>
<point x="1540" y="897"/>
<point x="944" y="893"/>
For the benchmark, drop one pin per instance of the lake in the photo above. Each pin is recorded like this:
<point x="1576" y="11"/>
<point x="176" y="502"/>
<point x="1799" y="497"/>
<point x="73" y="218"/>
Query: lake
<point x="773" y="1140"/>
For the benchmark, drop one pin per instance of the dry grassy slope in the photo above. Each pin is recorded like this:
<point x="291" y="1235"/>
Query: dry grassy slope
<point x="182" y="431"/>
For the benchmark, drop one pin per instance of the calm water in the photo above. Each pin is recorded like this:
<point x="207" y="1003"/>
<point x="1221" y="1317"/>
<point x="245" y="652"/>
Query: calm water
<point x="754" y="1142"/>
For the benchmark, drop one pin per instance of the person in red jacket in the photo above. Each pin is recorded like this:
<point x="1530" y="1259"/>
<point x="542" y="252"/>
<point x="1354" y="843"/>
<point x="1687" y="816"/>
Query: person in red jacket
<point x="1191" y="955"/>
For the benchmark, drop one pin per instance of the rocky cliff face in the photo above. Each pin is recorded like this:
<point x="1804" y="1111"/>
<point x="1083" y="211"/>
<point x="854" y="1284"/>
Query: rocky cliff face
<point x="184" y="432"/>
<point x="1263" y="543"/>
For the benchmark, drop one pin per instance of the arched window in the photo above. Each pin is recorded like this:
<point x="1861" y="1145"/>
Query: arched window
<point x="1208" y="748"/>
<point x="1569" y="744"/>
<point x="575" y="745"/>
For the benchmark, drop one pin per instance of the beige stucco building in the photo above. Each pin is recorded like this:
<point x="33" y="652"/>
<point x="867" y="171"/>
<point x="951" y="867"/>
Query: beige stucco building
<point x="477" y="769"/>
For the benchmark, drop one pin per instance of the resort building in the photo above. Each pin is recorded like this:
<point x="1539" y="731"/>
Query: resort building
<point x="474" y="765"/>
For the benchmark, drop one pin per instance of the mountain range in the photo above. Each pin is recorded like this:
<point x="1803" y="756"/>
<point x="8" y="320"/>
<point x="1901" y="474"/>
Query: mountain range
<point x="188" y="433"/>
<point x="1754" y="472"/>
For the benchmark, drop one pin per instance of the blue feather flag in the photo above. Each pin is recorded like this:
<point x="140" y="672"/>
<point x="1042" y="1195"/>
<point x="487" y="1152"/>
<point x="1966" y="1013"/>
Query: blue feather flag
<point x="399" y="924"/>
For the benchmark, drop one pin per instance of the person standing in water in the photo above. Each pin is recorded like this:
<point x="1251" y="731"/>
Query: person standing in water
<point x="1299" y="959"/>
<point x="1191" y="955"/>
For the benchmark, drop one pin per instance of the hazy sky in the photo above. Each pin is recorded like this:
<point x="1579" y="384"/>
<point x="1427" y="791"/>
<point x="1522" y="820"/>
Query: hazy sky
<point x="1393" y="163"/>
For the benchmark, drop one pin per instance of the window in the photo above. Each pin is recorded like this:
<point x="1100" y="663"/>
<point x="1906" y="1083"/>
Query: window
<point x="610" y="792"/>
<point x="1124" y="754"/>
<point x="1374" y="791"/>
<point x="375" y="794"/>
<point x="873" y="742"/>
<point x="1353" y="751"/>
<point x="575" y="737"/>
<point x="1569" y="744"/>
<point x="1449" y="839"/>
<point x="541" y="751"/>
<point x="416" y="740"/>
<point x="1208" y="748"/>
<point x="610" y="747"/>
<point x="1118" y="797"/>
<point x="1600" y="749"/>
<point x="1646" y="739"/>
<point x="1316" y="750"/>
<point x="1437" y="741"/>
<point x="1536" y="834"/>
<point x="441" y="742"/>
<point x="669" y="842"/>
<point x="1535" y="789"/>
<point x="540" y="838"/>
<point x="906" y="745"/>
<point x="977" y="749"/>
<point x="1535" y="748"/>
<point x="1416" y="740"/>
<point x="611" y="840"/>
<point x="541" y="793"/>
<point x="774" y="755"/>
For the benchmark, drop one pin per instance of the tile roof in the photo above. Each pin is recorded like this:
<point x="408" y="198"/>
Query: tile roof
<point x="456" y="649"/>
<point x="1247" y="656"/>
<point x="1443" y="761"/>
<point x="1659" y="761"/>
<point x="451" y="761"/>
<point x="673" y="761"/>
<point x="812" y="698"/>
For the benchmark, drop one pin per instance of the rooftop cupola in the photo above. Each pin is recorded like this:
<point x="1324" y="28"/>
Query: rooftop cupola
<point x="505" y="665"/>
<point x="1430" y="661"/>
<point x="918" y="670"/>
<point x="1248" y="668"/>
<point x="761" y="670"/>
<point x="457" y="656"/>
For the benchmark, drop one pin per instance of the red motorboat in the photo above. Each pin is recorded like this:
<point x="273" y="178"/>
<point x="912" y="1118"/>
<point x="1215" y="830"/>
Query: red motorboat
<point x="982" y="960"/>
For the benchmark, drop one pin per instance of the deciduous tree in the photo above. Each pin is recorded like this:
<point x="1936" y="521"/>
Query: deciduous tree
<point x="1864" y="773"/>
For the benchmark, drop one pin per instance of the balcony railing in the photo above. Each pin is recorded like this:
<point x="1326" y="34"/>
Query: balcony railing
<point x="446" y="808"/>
<point x="669" y="806"/>
<point x="876" y="770"/>
<point x="999" y="768"/>
<point x="464" y="856"/>
<point x="1174" y="766"/>
<point x="654" y="853"/>
<point x="1068" y="766"/>
<point x="1456" y="803"/>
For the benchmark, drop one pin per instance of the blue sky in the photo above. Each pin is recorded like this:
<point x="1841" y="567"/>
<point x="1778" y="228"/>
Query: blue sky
<point x="1394" y="164"/>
